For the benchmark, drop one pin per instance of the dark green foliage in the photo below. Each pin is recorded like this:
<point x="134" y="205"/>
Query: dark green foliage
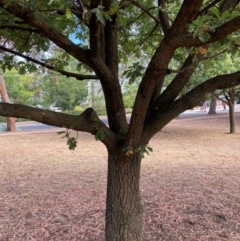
<point x="71" y="141"/>
<point x="101" y="134"/>
<point x="65" y="93"/>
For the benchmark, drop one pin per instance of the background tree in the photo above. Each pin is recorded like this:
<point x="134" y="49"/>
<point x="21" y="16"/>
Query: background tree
<point x="20" y="87"/>
<point x="229" y="97"/>
<point x="61" y="92"/>
<point x="227" y="63"/>
<point x="212" y="105"/>
<point x="4" y="96"/>
<point x="109" y="33"/>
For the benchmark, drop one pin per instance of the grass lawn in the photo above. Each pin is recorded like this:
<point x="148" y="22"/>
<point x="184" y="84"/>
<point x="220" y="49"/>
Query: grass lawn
<point x="190" y="184"/>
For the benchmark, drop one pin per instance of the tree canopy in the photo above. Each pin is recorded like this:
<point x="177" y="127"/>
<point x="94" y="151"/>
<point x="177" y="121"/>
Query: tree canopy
<point x="165" y="41"/>
<point x="61" y="92"/>
<point x="19" y="87"/>
<point x="171" y="38"/>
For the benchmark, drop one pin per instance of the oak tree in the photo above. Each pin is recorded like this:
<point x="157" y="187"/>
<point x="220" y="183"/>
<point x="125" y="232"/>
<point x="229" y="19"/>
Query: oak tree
<point x="172" y="37"/>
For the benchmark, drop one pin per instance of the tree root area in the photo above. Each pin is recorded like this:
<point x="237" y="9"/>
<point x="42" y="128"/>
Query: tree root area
<point x="190" y="185"/>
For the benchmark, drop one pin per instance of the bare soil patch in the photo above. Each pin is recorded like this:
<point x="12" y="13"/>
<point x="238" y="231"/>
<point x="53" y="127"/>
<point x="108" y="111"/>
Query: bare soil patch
<point x="190" y="185"/>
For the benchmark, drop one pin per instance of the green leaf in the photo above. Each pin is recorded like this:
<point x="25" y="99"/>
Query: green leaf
<point x="215" y="11"/>
<point x="124" y="3"/>
<point x="224" y="41"/>
<point x="121" y="20"/>
<point x="134" y="72"/>
<point x="107" y="16"/>
<point x="101" y="134"/>
<point x="72" y="143"/>
<point x="226" y="14"/>
<point x="68" y="13"/>
<point x="113" y="8"/>
<point x="150" y="148"/>
<point x="100" y="16"/>
<point x="22" y="70"/>
<point x="204" y="36"/>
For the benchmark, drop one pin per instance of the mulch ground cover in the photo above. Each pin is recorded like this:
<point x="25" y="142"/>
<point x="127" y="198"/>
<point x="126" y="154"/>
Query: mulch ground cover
<point x="190" y="184"/>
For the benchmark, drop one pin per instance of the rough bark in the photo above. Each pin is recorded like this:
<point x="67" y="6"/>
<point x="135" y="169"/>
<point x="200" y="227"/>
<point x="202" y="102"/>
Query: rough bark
<point x="212" y="107"/>
<point x="11" y="126"/>
<point x="123" y="207"/>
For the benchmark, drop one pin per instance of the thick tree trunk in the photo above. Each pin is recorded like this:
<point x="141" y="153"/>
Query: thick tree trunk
<point x="232" y="117"/>
<point x="3" y="93"/>
<point x="123" y="208"/>
<point x="212" y="107"/>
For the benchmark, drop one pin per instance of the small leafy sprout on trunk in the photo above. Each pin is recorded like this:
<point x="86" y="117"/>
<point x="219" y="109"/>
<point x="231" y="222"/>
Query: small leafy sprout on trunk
<point x="142" y="149"/>
<point x="129" y="150"/>
<point x="71" y="141"/>
<point x="100" y="135"/>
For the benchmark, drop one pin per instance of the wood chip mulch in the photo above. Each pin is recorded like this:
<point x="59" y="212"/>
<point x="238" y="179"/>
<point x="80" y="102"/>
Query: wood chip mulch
<point x="190" y="185"/>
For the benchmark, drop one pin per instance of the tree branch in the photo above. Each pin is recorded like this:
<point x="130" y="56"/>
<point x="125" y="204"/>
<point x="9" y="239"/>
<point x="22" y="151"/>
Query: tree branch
<point x="146" y="89"/>
<point x="178" y="82"/>
<point x="13" y="27"/>
<point x="163" y="17"/>
<point x="220" y="32"/>
<point x="216" y="83"/>
<point x="47" y="31"/>
<point x="137" y="4"/>
<point x="50" y="67"/>
<point x="215" y="55"/>
<point x="111" y="41"/>
<point x="158" y="63"/>
<point x="188" y="101"/>
<point x="228" y="5"/>
<point x="206" y="9"/>
<point x="186" y="15"/>
<point x="95" y="32"/>
<point x="88" y="121"/>
<point x="148" y="35"/>
<point x="80" y="10"/>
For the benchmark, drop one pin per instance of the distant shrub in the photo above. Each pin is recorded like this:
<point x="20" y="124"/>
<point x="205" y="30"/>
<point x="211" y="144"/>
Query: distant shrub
<point x="3" y="119"/>
<point x="101" y="111"/>
<point x="78" y="108"/>
<point x="78" y="111"/>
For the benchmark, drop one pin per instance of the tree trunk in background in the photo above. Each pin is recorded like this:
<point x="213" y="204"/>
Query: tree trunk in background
<point x="230" y="100"/>
<point x="232" y="118"/>
<point x="123" y="208"/>
<point x="3" y="93"/>
<point x="213" y="105"/>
